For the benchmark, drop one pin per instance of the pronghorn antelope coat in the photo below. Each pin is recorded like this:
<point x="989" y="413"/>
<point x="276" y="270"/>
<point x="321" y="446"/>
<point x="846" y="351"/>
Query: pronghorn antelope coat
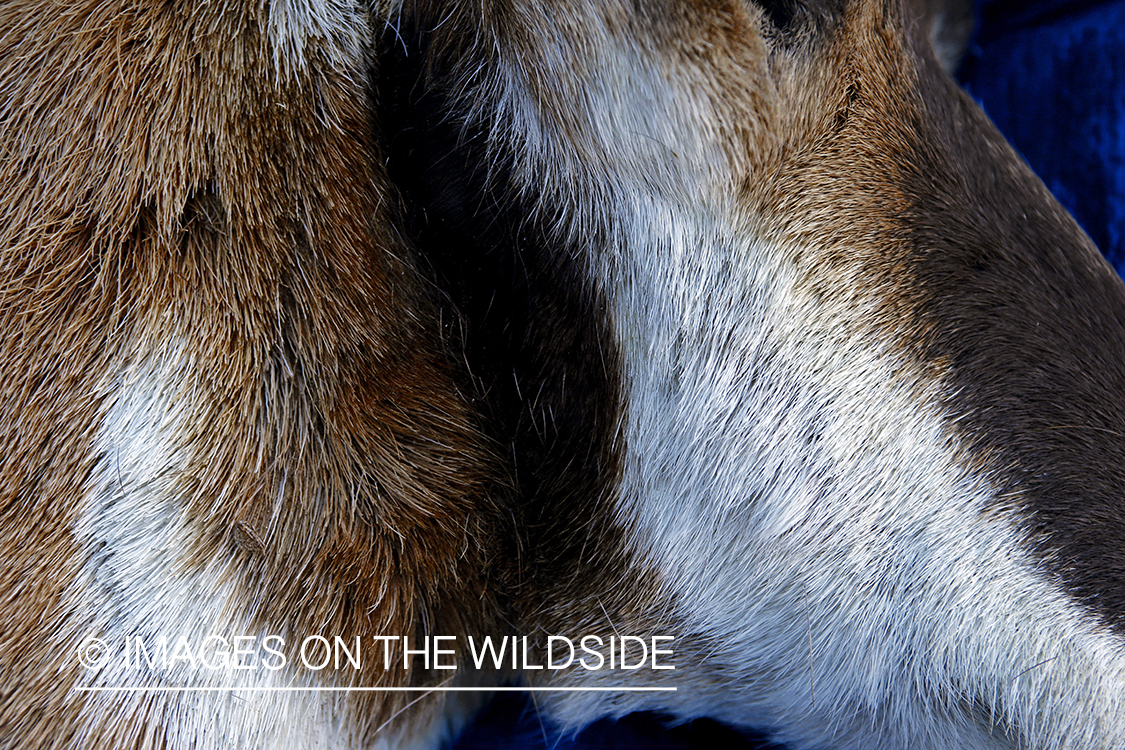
<point x="730" y="321"/>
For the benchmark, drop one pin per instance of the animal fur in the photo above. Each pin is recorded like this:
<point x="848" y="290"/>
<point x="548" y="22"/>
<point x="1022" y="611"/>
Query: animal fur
<point x="733" y="321"/>
<point x="227" y="406"/>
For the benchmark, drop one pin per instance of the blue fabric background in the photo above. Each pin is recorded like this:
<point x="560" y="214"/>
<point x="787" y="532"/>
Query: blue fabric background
<point x="1051" y="75"/>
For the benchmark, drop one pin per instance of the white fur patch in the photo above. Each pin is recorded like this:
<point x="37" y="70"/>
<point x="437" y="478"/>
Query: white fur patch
<point x="846" y="578"/>
<point x="139" y="582"/>
<point x="814" y="517"/>
<point x="340" y="29"/>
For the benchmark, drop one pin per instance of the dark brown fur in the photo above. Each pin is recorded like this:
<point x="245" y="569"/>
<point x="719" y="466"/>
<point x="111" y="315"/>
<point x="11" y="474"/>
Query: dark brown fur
<point x="986" y="280"/>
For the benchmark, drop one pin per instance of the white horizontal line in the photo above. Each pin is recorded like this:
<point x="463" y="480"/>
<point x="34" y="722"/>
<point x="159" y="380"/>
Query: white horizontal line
<point x="259" y="689"/>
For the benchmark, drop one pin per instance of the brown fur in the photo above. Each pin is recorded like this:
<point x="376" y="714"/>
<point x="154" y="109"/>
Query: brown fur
<point x="160" y="185"/>
<point x="980" y="276"/>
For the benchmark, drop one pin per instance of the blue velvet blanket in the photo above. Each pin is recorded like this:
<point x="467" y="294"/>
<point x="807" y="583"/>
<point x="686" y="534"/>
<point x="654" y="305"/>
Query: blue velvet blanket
<point x="1051" y="75"/>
